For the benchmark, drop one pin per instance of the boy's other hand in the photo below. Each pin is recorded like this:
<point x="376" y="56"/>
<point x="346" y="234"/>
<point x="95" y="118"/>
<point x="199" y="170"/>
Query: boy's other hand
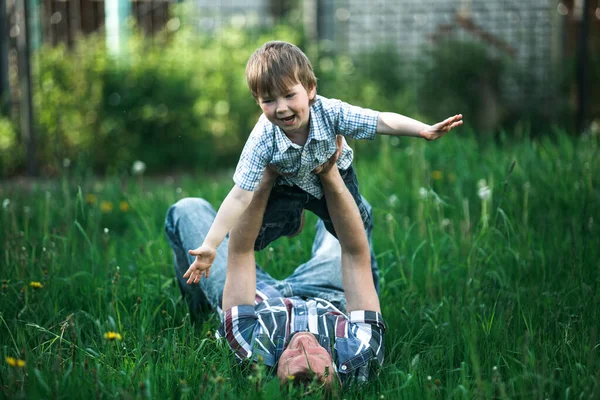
<point x="327" y="165"/>
<point x="205" y="255"/>
<point x="441" y="128"/>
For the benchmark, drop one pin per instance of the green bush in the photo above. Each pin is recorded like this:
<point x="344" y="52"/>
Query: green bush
<point x="180" y="102"/>
<point x="463" y="77"/>
<point x="10" y="154"/>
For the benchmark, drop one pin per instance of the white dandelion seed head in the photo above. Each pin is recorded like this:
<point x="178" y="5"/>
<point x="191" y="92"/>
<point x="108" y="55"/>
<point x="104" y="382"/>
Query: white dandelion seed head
<point x="138" y="167"/>
<point x="481" y="183"/>
<point x="394" y="141"/>
<point x="484" y="193"/>
<point x="423" y="193"/>
<point x="445" y="222"/>
<point x="428" y="377"/>
<point x="495" y="368"/>
<point x="393" y="200"/>
<point x="66" y="163"/>
<point x="178" y="190"/>
<point x="389" y="217"/>
<point x="27" y="210"/>
<point x="271" y="249"/>
<point x="5" y="203"/>
<point x="106" y="231"/>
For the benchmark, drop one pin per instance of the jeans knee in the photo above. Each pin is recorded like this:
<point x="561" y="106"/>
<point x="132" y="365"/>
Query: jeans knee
<point x="187" y="207"/>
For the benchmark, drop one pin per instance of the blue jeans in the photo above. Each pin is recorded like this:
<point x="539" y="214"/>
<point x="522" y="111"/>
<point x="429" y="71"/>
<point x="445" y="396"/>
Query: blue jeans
<point x="187" y="224"/>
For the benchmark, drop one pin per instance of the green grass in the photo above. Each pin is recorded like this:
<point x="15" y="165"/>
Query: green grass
<point x="492" y="298"/>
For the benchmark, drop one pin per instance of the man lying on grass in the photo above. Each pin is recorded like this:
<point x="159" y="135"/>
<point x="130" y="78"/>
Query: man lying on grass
<point x="296" y="325"/>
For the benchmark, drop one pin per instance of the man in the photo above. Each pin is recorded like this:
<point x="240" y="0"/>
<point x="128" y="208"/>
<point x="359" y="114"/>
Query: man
<point x="296" y="325"/>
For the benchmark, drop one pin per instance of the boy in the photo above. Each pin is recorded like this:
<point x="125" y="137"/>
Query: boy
<point x="296" y="135"/>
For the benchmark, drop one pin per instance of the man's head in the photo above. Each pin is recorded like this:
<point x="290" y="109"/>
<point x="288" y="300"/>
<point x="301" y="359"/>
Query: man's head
<point x="276" y="67"/>
<point x="305" y="359"/>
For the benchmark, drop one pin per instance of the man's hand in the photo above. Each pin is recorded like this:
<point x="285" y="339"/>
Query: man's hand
<point x="205" y="255"/>
<point x="326" y="167"/>
<point x="269" y="177"/>
<point x="441" y="128"/>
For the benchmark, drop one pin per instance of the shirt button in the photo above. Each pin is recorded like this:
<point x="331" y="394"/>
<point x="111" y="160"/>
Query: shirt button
<point x="344" y="368"/>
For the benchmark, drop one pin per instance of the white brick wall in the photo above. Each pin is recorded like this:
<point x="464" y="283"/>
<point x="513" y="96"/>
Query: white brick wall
<point x="529" y="27"/>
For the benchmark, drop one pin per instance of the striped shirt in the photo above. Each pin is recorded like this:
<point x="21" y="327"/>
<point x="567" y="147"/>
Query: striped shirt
<point x="265" y="329"/>
<point x="268" y="144"/>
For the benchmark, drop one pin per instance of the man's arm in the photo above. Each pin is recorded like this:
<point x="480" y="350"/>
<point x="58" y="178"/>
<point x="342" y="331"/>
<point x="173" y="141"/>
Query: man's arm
<point x="240" y="281"/>
<point x="356" y="257"/>
<point x="233" y="207"/>
<point x="398" y="125"/>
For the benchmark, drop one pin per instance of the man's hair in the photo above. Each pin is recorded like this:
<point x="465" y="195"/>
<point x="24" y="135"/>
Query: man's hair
<point x="276" y="67"/>
<point x="306" y="377"/>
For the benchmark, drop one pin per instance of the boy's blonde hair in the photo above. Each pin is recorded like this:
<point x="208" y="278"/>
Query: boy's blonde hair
<point x="276" y="67"/>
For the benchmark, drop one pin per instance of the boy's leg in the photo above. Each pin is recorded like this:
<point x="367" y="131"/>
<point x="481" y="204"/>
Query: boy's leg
<point x="283" y="215"/>
<point x="186" y="225"/>
<point x="319" y="207"/>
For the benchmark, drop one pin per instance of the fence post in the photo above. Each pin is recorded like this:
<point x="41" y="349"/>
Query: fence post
<point x="116" y="25"/>
<point x="582" y="74"/>
<point x="25" y="109"/>
<point x="4" y="83"/>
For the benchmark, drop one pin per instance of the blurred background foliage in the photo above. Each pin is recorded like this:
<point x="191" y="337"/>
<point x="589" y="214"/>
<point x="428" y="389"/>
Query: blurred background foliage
<point x="179" y="101"/>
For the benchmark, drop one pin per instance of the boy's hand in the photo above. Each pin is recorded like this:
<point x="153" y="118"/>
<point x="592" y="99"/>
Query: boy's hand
<point x="441" y="128"/>
<point x="326" y="167"/>
<point x="205" y="255"/>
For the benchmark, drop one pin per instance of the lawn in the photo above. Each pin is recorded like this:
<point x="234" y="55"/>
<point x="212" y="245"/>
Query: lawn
<point x="488" y="256"/>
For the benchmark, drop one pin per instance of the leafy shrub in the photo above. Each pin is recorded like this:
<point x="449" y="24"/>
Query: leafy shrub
<point x="181" y="102"/>
<point x="463" y="77"/>
<point x="10" y="154"/>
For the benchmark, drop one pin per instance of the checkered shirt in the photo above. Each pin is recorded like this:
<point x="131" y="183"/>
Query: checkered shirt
<point x="268" y="144"/>
<point x="265" y="329"/>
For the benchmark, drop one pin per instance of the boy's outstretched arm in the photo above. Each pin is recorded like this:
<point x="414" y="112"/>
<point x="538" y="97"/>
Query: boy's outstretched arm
<point x="229" y="213"/>
<point x="398" y="125"/>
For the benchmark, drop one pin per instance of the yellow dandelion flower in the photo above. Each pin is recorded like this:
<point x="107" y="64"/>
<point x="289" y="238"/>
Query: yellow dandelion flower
<point x="112" y="336"/>
<point x="106" y="207"/>
<point x="15" y="362"/>
<point x="36" y="285"/>
<point x="90" y="198"/>
<point x="124" y="206"/>
<point x="437" y="175"/>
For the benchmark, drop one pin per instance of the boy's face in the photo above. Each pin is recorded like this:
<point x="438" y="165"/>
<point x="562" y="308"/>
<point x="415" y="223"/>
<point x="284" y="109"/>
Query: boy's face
<point x="290" y="110"/>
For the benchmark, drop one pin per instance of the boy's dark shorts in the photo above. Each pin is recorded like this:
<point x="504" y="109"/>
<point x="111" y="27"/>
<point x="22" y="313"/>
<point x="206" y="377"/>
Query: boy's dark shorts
<point x="283" y="214"/>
